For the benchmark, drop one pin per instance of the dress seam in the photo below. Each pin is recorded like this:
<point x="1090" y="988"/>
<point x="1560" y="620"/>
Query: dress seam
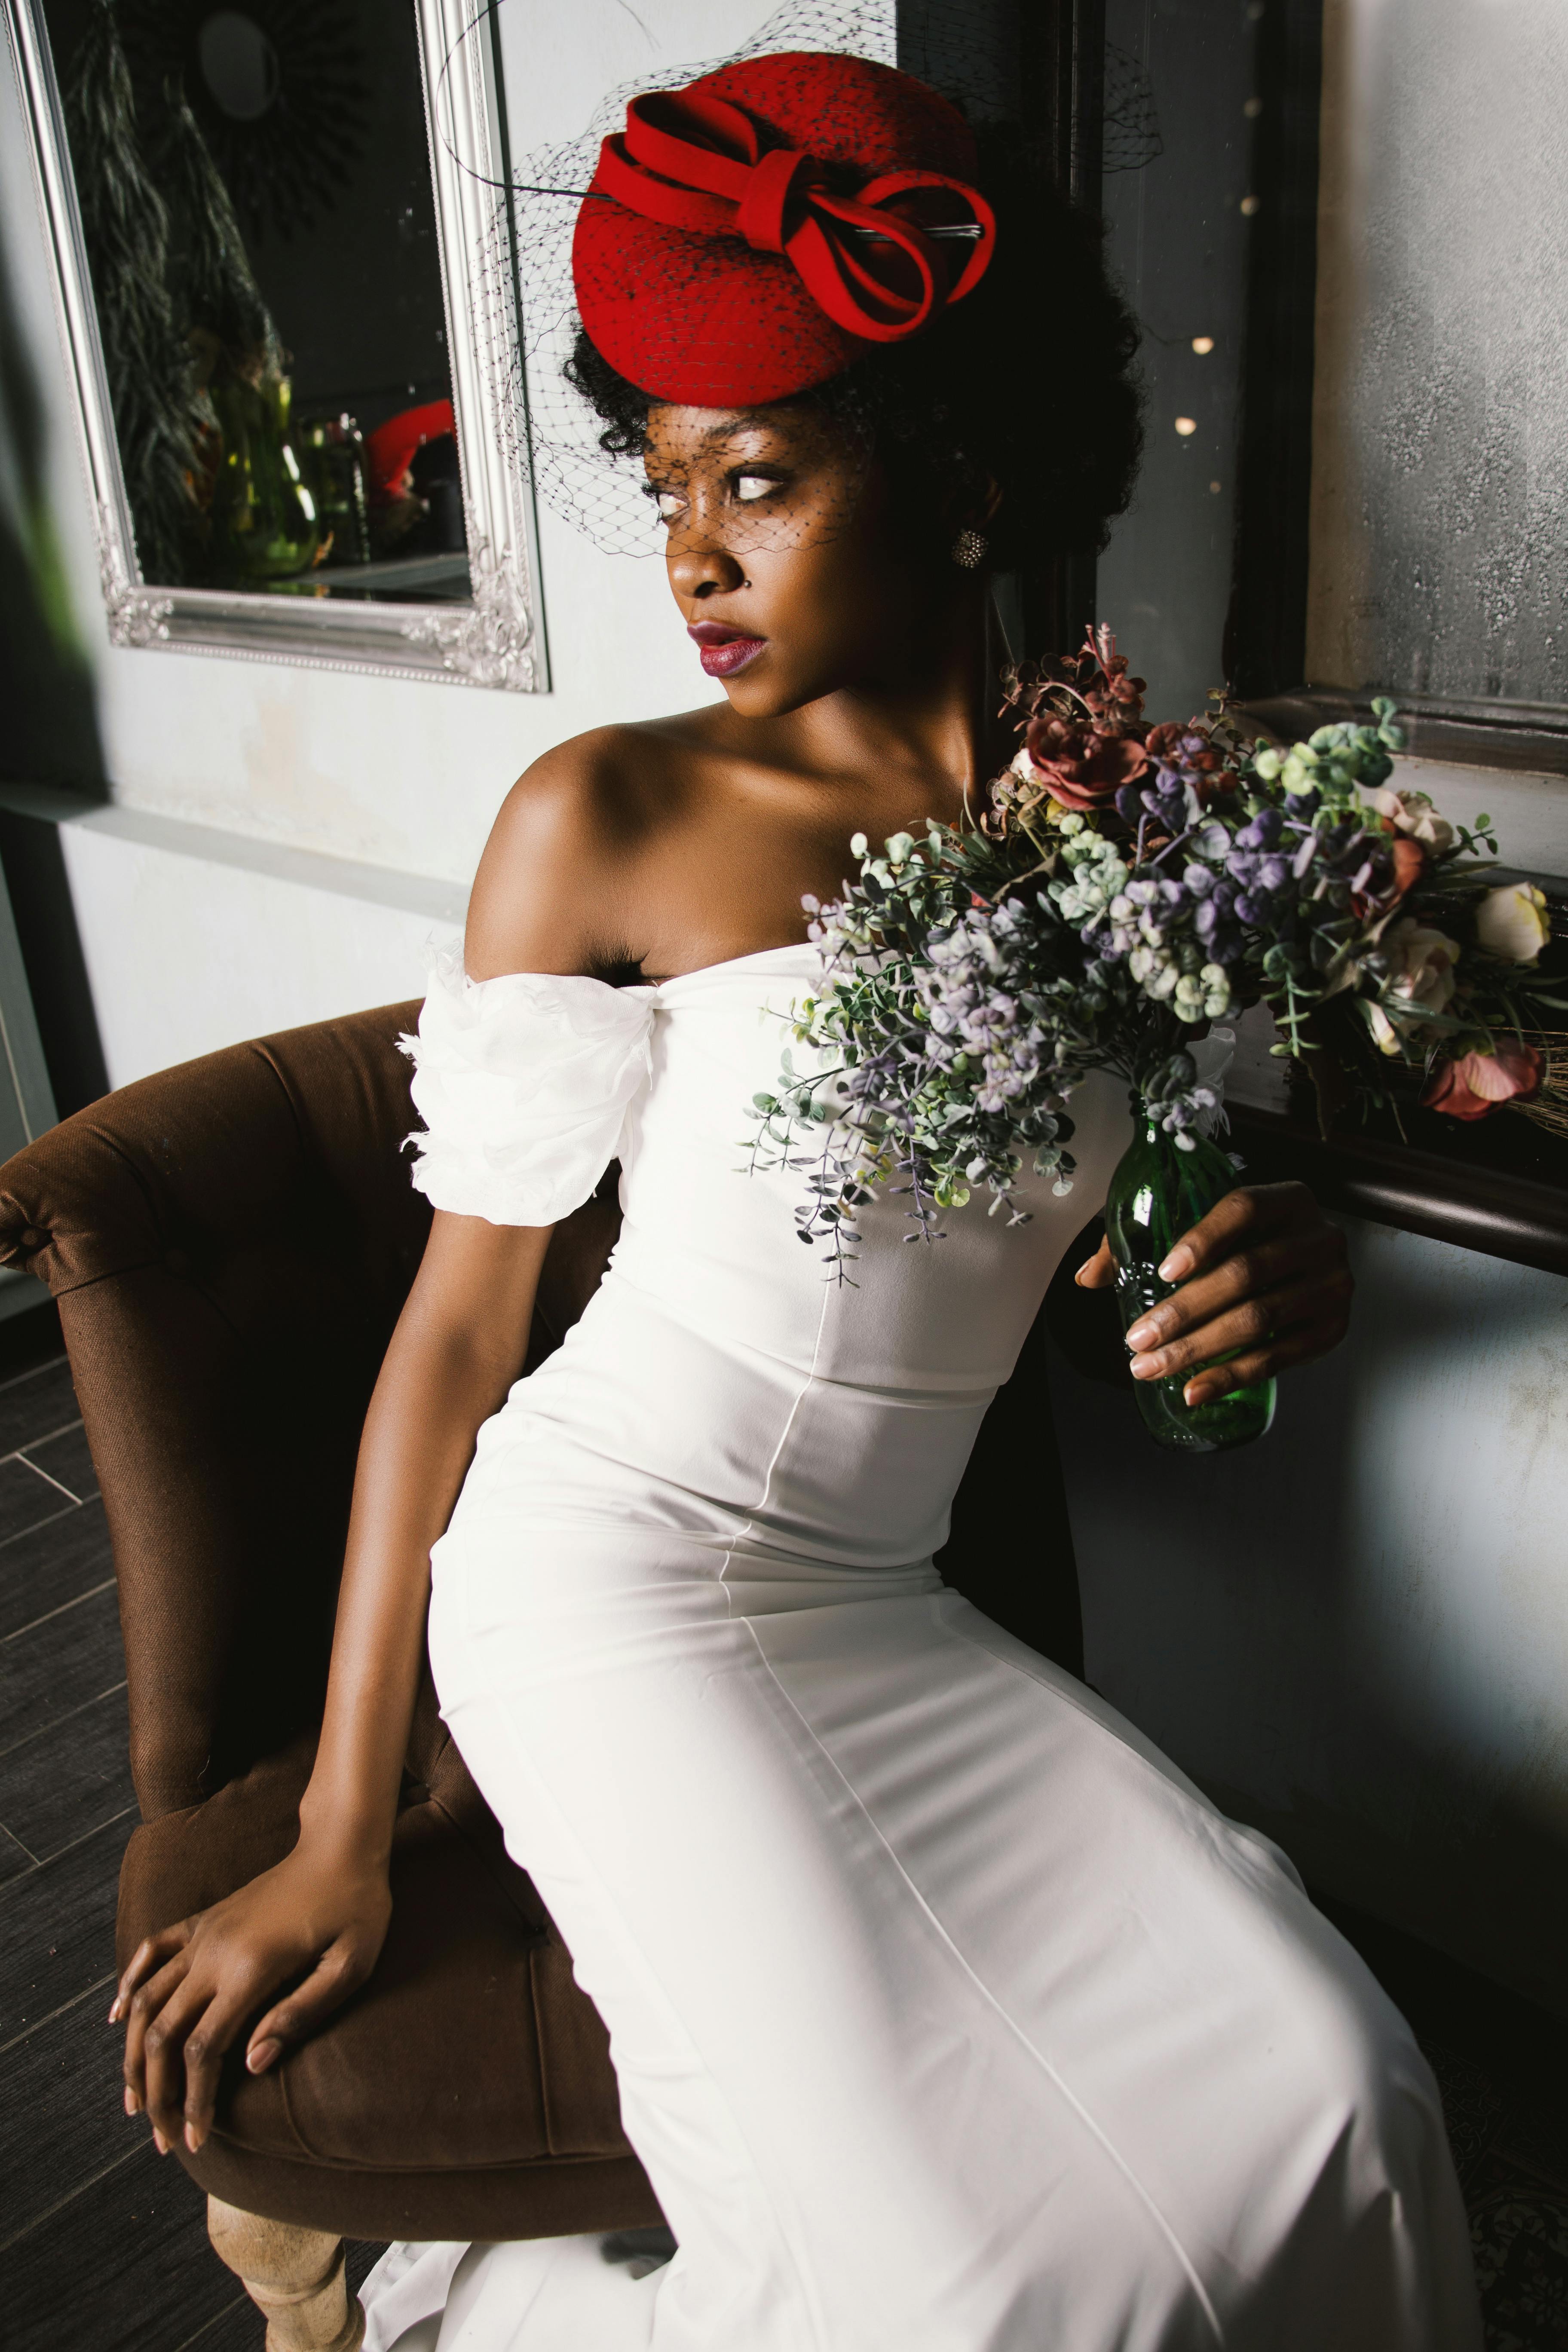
<point x="761" y="1503"/>
<point x="1104" y="2141"/>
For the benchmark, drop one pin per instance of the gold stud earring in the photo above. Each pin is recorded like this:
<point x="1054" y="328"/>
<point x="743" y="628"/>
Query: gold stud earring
<point x="969" y="550"/>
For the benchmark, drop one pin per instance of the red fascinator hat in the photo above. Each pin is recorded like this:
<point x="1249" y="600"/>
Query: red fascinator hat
<point x="750" y="235"/>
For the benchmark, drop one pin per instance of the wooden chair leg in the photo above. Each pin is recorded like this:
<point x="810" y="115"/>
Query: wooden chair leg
<point x="294" y="2276"/>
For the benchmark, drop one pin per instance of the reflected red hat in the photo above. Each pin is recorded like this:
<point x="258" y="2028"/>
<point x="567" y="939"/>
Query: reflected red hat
<point x="750" y="235"/>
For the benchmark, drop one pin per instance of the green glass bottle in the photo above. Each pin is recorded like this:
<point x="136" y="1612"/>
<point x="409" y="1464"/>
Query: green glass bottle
<point x="1158" y="1193"/>
<point x="331" y="450"/>
<point x="264" y="516"/>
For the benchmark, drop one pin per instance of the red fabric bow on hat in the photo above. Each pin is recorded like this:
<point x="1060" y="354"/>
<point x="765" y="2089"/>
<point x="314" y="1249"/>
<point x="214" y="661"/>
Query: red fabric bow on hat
<point x="693" y="162"/>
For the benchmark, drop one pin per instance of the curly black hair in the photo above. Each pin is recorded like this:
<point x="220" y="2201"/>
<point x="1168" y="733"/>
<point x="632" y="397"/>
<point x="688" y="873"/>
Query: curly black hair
<point x="1029" y="382"/>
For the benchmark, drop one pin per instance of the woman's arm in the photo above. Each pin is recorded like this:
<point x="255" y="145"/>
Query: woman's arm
<point x="321" y="1914"/>
<point x="543" y="901"/>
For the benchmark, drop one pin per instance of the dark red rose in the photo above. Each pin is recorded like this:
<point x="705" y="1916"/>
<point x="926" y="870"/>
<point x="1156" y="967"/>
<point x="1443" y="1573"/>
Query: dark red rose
<point x="1478" y="1084"/>
<point x="1079" y="767"/>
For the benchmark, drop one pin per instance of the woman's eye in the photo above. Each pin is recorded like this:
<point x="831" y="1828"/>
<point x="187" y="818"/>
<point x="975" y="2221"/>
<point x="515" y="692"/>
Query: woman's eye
<point x="755" y="485"/>
<point x="669" y="503"/>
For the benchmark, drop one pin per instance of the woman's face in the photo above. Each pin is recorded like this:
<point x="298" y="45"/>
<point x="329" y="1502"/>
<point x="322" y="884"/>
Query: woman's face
<point x="783" y="554"/>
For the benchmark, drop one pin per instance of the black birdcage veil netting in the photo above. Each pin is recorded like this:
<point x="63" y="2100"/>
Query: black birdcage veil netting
<point x="527" y="328"/>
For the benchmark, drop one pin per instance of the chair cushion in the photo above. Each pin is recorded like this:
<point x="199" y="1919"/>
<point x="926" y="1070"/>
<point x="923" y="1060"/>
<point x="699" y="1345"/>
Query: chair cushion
<point x="466" y="2091"/>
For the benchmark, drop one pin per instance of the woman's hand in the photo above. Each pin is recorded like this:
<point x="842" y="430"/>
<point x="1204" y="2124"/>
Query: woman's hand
<point x="1264" y="1280"/>
<point x="189" y="1989"/>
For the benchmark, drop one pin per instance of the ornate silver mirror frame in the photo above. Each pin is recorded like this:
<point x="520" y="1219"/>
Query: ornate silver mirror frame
<point x="496" y="639"/>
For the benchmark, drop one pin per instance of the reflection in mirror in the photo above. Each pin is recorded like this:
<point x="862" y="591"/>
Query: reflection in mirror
<point x="256" y="199"/>
<point x="1179" y="109"/>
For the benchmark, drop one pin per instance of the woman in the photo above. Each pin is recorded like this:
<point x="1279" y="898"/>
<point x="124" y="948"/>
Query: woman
<point x="945" y="2011"/>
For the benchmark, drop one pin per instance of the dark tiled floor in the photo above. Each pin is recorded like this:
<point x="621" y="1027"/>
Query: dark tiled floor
<point x="104" y="2247"/>
<point x="1502" y="2068"/>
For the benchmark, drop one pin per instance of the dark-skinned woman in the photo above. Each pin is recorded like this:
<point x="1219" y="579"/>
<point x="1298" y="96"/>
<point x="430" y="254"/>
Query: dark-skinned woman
<point x="948" y="2015"/>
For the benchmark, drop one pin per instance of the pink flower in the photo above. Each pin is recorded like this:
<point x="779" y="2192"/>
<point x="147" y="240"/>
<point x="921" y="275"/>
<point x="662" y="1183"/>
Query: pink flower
<point x="1420" y="981"/>
<point x="1478" y="1084"/>
<point x="1414" y="815"/>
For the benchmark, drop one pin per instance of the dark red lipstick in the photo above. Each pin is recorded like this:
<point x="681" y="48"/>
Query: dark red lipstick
<point x="723" y="651"/>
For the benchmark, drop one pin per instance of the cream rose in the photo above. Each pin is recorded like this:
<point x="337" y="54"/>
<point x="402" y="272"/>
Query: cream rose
<point x="1420" y="982"/>
<point x="1512" y="922"/>
<point x="1414" y="814"/>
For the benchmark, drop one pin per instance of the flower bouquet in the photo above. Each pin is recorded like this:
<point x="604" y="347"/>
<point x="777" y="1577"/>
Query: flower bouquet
<point x="1125" y="886"/>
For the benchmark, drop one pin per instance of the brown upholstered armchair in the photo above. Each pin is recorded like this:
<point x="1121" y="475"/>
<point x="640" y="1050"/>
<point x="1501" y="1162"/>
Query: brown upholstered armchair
<point x="230" y="1243"/>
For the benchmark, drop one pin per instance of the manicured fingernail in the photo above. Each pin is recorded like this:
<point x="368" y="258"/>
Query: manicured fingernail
<point x="159" y="2142"/>
<point x="261" y="2057"/>
<point x="1145" y="1368"/>
<point x="1180" y="1262"/>
<point x="1142" y="1335"/>
<point x="131" y="2101"/>
<point x="114" y="2010"/>
<point x="192" y="2139"/>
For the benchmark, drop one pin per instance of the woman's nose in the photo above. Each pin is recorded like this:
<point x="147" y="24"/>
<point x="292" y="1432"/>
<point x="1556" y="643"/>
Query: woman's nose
<point x="698" y="568"/>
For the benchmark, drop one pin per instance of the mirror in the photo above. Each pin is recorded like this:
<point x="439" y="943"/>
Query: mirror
<point x="270" y="225"/>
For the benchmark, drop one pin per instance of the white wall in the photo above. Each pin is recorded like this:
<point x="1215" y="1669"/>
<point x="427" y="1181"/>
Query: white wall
<point x="192" y="938"/>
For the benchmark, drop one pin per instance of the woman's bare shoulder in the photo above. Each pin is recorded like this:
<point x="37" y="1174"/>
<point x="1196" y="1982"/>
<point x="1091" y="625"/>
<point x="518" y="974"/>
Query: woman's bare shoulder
<point x="556" y="883"/>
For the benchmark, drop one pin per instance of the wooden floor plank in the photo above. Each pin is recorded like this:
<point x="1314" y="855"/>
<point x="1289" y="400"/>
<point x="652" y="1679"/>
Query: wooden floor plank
<point x="34" y="1402"/>
<point x="66" y="1459"/>
<point x="70" y="1779"/>
<point x="362" y="2258"/>
<point x="27" y="1498"/>
<point x="52" y="1565"/>
<point x="15" y="1862"/>
<point x="56" y="1927"/>
<point x="62" y="2085"/>
<point x="241" y="2328"/>
<point x="124" y="2267"/>
<point x="52" y="1668"/>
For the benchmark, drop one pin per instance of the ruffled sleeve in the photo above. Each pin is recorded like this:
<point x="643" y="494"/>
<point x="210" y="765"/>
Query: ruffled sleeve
<point x="522" y="1083"/>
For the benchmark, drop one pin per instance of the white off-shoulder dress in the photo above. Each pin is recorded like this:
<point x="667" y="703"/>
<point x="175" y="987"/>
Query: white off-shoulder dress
<point x="948" y="2016"/>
